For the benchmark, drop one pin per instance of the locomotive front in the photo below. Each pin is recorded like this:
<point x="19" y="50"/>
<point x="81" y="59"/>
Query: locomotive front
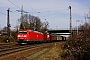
<point x="22" y="37"/>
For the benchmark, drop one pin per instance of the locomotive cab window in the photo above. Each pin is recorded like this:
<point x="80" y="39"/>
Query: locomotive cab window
<point x="22" y="32"/>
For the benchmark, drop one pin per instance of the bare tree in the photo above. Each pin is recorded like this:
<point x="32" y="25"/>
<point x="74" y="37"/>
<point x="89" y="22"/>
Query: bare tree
<point x="33" y="23"/>
<point x="88" y="15"/>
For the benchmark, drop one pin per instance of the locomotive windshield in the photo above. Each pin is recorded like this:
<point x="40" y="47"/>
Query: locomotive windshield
<point x="22" y="32"/>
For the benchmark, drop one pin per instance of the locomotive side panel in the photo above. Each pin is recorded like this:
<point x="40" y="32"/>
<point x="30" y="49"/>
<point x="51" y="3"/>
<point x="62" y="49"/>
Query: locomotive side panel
<point x="40" y="37"/>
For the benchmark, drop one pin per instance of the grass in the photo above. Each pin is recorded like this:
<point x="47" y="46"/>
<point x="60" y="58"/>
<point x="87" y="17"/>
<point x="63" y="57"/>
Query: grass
<point x="35" y="55"/>
<point x="53" y="54"/>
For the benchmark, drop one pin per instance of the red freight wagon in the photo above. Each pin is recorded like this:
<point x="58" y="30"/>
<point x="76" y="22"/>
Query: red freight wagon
<point x="47" y="37"/>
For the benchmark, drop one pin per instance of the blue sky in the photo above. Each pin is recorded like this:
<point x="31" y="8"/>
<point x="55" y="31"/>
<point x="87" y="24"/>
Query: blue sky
<point x="56" y="12"/>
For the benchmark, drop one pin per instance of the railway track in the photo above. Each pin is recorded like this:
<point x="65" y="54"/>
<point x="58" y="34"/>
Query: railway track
<point x="20" y="52"/>
<point x="13" y="50"/>
<point x="17" y="48"/>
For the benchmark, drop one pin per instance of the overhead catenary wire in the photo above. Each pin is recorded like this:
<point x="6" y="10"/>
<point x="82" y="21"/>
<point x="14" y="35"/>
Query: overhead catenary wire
<point x="34" y="9"/>
<point x="4" y="5"/>
<point x="9" y="7"/>
<point x="17" y="6"/>
<point x="6" y="14"/>
<point x="48" y="11"/>
<point x="13" y="4"/>
<point x="30" y="6"/>
<point x="41" y="11"/>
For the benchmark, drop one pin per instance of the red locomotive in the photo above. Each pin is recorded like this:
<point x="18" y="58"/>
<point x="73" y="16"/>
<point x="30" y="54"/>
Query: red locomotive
<point x="30" y="36"/>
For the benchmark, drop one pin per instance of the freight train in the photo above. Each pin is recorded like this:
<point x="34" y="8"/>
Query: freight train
<point x="30" y="36"/>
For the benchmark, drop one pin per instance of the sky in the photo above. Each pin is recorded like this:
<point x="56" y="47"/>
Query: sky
<point x="56" y="12"/>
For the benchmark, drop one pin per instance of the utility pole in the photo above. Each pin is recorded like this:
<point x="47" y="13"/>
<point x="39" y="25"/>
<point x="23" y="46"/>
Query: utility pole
<point x="8" y="25"/>
<point x="77" y="25"/>
<point x="22" y="11"/>
<point x="70" y="23"/>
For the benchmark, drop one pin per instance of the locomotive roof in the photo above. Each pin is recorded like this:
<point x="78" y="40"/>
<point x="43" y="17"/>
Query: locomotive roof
<point x="37" y="32"/>
<point x="31" y="31"/>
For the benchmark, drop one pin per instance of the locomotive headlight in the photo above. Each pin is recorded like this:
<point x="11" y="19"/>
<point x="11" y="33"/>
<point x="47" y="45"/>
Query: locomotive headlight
<point x="25" y="36"/>
<point x="18" y="35"/>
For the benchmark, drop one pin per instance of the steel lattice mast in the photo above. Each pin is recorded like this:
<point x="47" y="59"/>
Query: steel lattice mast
<point x="22" y="11"/>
